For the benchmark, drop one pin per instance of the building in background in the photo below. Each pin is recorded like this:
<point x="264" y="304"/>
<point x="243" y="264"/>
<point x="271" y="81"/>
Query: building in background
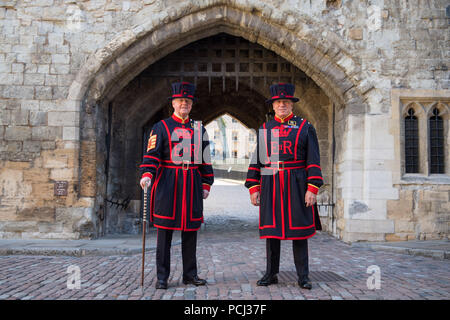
<point x="232" y="143"/>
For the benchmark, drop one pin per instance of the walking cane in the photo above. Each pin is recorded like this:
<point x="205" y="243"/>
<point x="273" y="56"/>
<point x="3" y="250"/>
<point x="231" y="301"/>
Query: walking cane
<point x="144" y="225"/>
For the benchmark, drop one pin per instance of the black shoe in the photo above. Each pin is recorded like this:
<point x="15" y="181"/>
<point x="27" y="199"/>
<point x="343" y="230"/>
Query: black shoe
<point x="305" y="283"/>
<point x="161" y="284"/>
<point x="195" y="281"/>
<point x="267" y="280"/>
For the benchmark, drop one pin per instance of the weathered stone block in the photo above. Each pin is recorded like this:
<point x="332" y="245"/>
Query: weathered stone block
<point x="5" y="117"/>
<point x="54" y="160"/>
<point x="356" y="33"/>
<point x="46" y="133"/>
<point x="56" y="118"/>
<point x="370" y="226"/>
<point x="71" y="133"/>
<point x="62" y="174"/>
<point x="36" y="79"/>
<point x="44" y="92"/>
<point x="18" y="226"/>
<point x="404" y="226"/>
<point x="19" y="117"/>
<point x="38" y="118"/>
<point x="436" y="195"/>
<point x="18" y="133"/>
<point x="31" y="146"/>
<point x="37" y="214"/>
<point x="18" y="92"/>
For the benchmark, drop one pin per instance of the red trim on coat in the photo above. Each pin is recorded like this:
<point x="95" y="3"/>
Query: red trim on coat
<point x="265" y="139"/>
<point x="174" y="228"/>
<point x="183" y="206"/>
<point x="207" y="175"/>
<point x="206" y="187"/>
<point x="276" y="168"/>
<point x="147" y="166"/>
<point x="274" y="225"/>
<point x="179" y="119"/>
<point x="152" y="204"/>
<point x="290" y="161"/>
<point x="314" y="177"/>
<point x="175" y="167"/>
<point x="200" y="145"/>
<point x="151" y="157"/>
<point x="147" y="174"/>
<point x="281" y="180"/>
<point x="296" y="138"/>
<point x="290" y="212"/>
<point x="192" y="199"/>
<point x="167" y="228"/>
<point x="288" y="238"/>
<point x="313" y="165"/>
<point x="175" y="194"/>
<point x="254" y="189"/>
<point x="174" y="203"/>
<point x="313" y="188"/>
<point x="169" y="138"/>
<point x="283" y="120"/>
<point x="252" y="180"/>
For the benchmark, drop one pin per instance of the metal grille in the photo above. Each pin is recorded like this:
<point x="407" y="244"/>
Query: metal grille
<point x="225" y="61"/>
<point x="316" y="276"/>
<point x="411" y="143"/>
<point x="436" y="125"/>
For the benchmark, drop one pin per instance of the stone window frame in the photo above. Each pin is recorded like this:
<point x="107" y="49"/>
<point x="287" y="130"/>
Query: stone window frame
<point x="406" y="115"/>
<point x="443" y="114"/>
<point x="423" y="103"/>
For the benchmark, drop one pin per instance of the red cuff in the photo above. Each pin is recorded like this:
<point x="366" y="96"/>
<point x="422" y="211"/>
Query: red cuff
<point x="254" y="189"/>
<point x="147" y="174"/>
<point x="206" y="187"/>
<point x="313" y="188"/>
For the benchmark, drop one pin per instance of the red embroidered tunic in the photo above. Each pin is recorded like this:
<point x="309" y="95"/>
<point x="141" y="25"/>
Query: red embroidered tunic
<point x="178" y="161"/>
<point x="286" y="164"/>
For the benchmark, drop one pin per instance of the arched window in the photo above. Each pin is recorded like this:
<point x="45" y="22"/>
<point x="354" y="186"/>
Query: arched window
<point x="436" y="142"/>
<point x="411" y="143"/>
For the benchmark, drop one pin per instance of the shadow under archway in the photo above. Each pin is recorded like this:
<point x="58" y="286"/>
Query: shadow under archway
<point x="232" y="76"/>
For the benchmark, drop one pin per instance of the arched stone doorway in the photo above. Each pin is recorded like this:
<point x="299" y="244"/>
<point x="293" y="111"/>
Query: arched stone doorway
<point x="232" y="76"/>
<point x="106" y="73"/>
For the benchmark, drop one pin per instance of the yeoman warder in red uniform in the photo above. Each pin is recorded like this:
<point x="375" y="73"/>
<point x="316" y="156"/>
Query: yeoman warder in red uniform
<point x="283" y="179"/>
<point x="177" y="165"/>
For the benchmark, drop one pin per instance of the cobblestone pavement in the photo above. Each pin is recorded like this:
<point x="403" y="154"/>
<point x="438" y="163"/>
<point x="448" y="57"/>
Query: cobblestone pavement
<point x="232" y="258"/>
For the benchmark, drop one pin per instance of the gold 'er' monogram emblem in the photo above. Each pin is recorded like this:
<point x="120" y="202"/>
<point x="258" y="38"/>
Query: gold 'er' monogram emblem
<point x="292" y="123"/>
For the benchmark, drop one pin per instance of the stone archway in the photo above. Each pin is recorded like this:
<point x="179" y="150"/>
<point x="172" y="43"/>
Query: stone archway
<point x="112" y="68"/>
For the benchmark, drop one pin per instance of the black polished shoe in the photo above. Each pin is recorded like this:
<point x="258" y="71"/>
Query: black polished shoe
<point x="305" y="283"/>
<point x="267" y="280"/>
<point x="161" y="284"/>
<point x="195" y="281"/>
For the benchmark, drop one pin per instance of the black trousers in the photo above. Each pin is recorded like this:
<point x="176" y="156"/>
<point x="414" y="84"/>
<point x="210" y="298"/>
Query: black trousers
<point x="300" y="249"/>
<point x="188" y="252"/>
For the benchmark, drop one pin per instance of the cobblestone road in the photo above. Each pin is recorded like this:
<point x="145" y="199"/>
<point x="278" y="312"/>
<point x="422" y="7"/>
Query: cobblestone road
<point x="232" y="258"/>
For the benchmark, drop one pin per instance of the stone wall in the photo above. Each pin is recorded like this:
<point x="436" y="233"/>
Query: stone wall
<point x="61" y="62"/>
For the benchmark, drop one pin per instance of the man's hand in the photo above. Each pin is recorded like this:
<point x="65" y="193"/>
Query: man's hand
<point x="255" y="198"/>
<point x="310" y="198"/>
<point x="205" y="194"/>
<point x="145" y="181"/>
